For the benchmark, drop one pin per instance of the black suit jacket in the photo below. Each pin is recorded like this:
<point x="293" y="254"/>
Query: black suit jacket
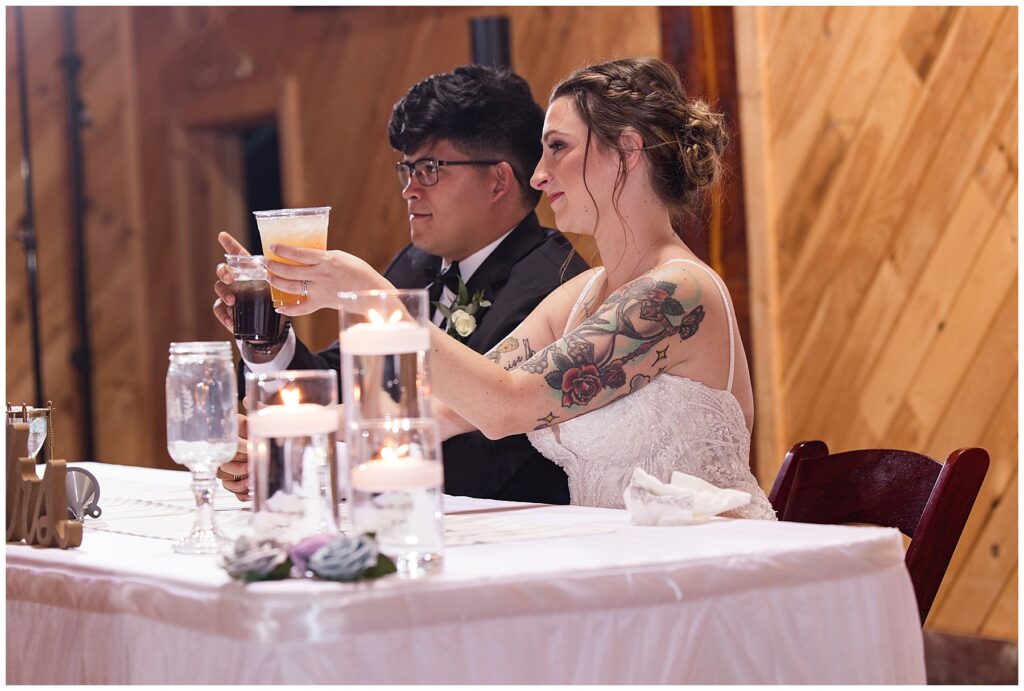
<point x="519" y="273"/>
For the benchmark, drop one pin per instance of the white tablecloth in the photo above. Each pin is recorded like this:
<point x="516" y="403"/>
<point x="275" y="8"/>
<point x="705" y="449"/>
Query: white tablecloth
<point x="729" y="601"/>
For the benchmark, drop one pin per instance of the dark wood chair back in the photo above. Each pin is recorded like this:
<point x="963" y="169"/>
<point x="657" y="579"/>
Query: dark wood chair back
<point x="927" y="501"/>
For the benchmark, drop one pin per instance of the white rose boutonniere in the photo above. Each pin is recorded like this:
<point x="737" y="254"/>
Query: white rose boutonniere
<point x="461" y="314"/>
<point x="464" y="322"/>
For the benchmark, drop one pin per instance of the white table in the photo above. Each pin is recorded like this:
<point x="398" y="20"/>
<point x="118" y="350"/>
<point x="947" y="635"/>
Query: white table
<point x="729" y="601"/>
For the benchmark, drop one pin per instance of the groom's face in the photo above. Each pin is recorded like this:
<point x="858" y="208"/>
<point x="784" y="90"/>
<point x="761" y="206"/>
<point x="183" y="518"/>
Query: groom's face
<point x="445" y="218"/>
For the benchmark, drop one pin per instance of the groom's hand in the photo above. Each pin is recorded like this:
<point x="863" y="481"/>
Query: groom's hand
<point x="234" y="475"/>
<point x="225" y="300"/>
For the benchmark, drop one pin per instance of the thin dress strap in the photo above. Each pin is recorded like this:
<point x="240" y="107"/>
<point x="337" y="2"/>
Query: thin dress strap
<point x="728" y="314"/>
<point x="579" y="300"/>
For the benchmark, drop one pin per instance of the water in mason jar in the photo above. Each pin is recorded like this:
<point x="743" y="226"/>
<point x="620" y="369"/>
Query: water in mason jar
<point x="296" y="488"/>
<point x="203" y="456"/>
<point x="386" y="386"/>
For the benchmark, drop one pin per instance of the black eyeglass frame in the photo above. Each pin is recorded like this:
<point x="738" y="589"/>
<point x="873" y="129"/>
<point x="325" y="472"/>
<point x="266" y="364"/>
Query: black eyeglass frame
<point x="410" y="169"/>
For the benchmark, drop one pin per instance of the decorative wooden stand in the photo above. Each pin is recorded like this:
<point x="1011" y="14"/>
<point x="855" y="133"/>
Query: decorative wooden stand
<point x="37" y="509"/>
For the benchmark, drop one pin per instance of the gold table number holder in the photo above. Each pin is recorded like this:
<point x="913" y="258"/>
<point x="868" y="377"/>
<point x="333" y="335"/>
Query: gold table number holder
<point x="37" y="508"/>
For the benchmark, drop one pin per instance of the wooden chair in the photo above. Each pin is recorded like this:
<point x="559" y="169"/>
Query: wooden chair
<point x="926" y="500"/>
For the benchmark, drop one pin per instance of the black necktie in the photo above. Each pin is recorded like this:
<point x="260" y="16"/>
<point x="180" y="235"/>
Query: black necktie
<point x="442" y="279"/>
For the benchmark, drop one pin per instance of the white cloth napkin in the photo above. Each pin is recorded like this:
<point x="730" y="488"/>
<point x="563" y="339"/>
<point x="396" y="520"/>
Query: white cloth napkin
<point x="686" y="499"/>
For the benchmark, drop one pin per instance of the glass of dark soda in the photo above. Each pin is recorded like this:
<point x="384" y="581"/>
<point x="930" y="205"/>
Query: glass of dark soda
<point x="254" y="315"/>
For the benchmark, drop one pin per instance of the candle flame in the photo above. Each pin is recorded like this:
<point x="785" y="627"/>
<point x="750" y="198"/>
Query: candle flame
<point x="290" y="397"/>
<point x="388" y="453"/>
<point x="376" y="318"/>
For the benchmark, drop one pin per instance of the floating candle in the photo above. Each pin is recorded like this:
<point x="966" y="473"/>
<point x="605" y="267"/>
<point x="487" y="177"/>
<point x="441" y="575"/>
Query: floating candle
<point x="385" y="339"/>
<point x="296" y="420"/>
<point x="391" y="474"/>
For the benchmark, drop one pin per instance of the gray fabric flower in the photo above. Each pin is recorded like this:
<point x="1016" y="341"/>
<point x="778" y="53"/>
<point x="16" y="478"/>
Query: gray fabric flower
<point x="248" y="559"/>
<point x="344" y="558"/>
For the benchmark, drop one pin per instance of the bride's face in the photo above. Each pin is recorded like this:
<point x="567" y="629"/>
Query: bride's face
<point x="561" y="173"/>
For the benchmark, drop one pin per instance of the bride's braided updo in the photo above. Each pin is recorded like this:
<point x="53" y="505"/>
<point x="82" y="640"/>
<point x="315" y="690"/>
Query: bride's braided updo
<point x="683" y="139"/>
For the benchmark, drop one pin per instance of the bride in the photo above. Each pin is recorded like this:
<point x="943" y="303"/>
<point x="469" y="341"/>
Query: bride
<point x="636" y="364"/>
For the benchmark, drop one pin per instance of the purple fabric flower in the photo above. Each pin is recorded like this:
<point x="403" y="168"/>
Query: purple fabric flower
<point x="303" y="550"/>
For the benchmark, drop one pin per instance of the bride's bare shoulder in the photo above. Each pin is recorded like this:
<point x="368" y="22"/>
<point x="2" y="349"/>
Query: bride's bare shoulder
<point x="687" y="274"/>
<point x="557" y="307"/>
<point x="575" y="285"/>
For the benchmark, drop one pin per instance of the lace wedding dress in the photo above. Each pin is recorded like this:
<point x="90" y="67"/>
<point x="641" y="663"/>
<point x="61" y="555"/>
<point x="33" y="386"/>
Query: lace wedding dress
<point x="673" y="423"/>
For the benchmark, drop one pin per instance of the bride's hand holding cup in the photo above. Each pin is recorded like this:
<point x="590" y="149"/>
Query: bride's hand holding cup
<point x="320" y="275"/>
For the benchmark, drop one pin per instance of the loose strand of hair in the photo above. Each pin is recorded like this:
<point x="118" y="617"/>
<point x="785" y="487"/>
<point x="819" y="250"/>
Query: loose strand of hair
<point x="586" y="158"/>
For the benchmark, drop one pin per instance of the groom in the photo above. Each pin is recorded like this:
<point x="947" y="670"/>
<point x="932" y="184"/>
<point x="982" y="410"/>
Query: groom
<point x="470" y="141"/>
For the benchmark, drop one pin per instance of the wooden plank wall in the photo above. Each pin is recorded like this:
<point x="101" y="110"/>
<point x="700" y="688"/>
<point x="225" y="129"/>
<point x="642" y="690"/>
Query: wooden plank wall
<point x="886" y="205"/>
<point x="114" y="245"/>
<point x="164" y="87"/>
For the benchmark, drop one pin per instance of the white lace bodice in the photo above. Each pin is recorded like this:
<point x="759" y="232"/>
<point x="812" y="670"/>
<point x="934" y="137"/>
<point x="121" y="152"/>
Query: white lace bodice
<point x="673" y="423"/>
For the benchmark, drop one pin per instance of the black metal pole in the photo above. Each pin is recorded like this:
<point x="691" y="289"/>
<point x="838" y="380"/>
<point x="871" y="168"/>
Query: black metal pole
<point x="28" y="230"/>
<point x="489" y="36"/>
<point x="81" y="358"/>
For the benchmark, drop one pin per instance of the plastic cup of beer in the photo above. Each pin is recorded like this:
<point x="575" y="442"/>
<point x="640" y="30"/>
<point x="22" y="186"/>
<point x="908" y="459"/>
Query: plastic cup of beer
<point x="294" y="228"/>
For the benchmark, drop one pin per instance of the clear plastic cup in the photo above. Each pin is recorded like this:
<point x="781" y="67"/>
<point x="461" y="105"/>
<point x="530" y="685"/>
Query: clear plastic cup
<point x="253" y="313"/>
<point x="294" y="228"/>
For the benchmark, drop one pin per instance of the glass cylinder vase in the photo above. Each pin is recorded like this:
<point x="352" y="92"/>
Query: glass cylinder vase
<point x="385" y="338"/>
<point x="294" y="474"/>
<point x="395" y="484"/>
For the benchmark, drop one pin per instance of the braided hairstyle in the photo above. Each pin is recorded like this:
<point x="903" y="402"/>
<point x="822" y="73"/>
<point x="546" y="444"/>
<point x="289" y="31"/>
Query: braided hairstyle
<point x="683" y="139"/>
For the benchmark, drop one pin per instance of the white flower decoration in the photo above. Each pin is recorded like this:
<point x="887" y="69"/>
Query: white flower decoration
<point x="464" y="322"/>
<point x="252" y="559"/>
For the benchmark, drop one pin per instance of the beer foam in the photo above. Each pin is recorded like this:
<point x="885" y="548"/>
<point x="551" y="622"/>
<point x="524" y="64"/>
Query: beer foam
<point x="307" y="230"/>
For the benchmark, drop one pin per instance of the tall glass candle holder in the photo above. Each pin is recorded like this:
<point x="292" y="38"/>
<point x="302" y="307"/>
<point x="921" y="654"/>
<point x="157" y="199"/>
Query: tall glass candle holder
<point x="385" y="338"/>
<point x="293" y="425"/>
<point x="395" y="484"/>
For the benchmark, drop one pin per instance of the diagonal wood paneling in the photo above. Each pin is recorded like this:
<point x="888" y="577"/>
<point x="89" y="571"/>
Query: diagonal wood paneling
<point x="889" y="179"/>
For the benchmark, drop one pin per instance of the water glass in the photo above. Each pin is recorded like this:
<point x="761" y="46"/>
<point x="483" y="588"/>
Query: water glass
<point x="202" y="429"/>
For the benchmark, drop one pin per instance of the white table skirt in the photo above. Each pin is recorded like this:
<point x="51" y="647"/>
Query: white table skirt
<point x="730" y="601"/>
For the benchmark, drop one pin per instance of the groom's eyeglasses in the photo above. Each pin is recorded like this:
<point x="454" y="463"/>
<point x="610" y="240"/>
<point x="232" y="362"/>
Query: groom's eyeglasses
<point x="425" y="169"/>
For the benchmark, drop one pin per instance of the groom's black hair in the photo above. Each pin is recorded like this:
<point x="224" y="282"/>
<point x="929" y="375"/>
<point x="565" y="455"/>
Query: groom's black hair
<point x="485" y="112"/>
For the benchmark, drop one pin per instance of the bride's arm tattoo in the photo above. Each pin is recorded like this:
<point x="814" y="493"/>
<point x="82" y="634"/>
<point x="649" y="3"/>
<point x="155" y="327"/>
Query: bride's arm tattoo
<point x="509" y="354"/>
<point x="546" y="421"/>
<point x="628" y="325"/>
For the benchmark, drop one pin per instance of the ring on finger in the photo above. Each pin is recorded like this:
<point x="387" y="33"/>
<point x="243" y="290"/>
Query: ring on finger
<point x="305" y="289"/>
